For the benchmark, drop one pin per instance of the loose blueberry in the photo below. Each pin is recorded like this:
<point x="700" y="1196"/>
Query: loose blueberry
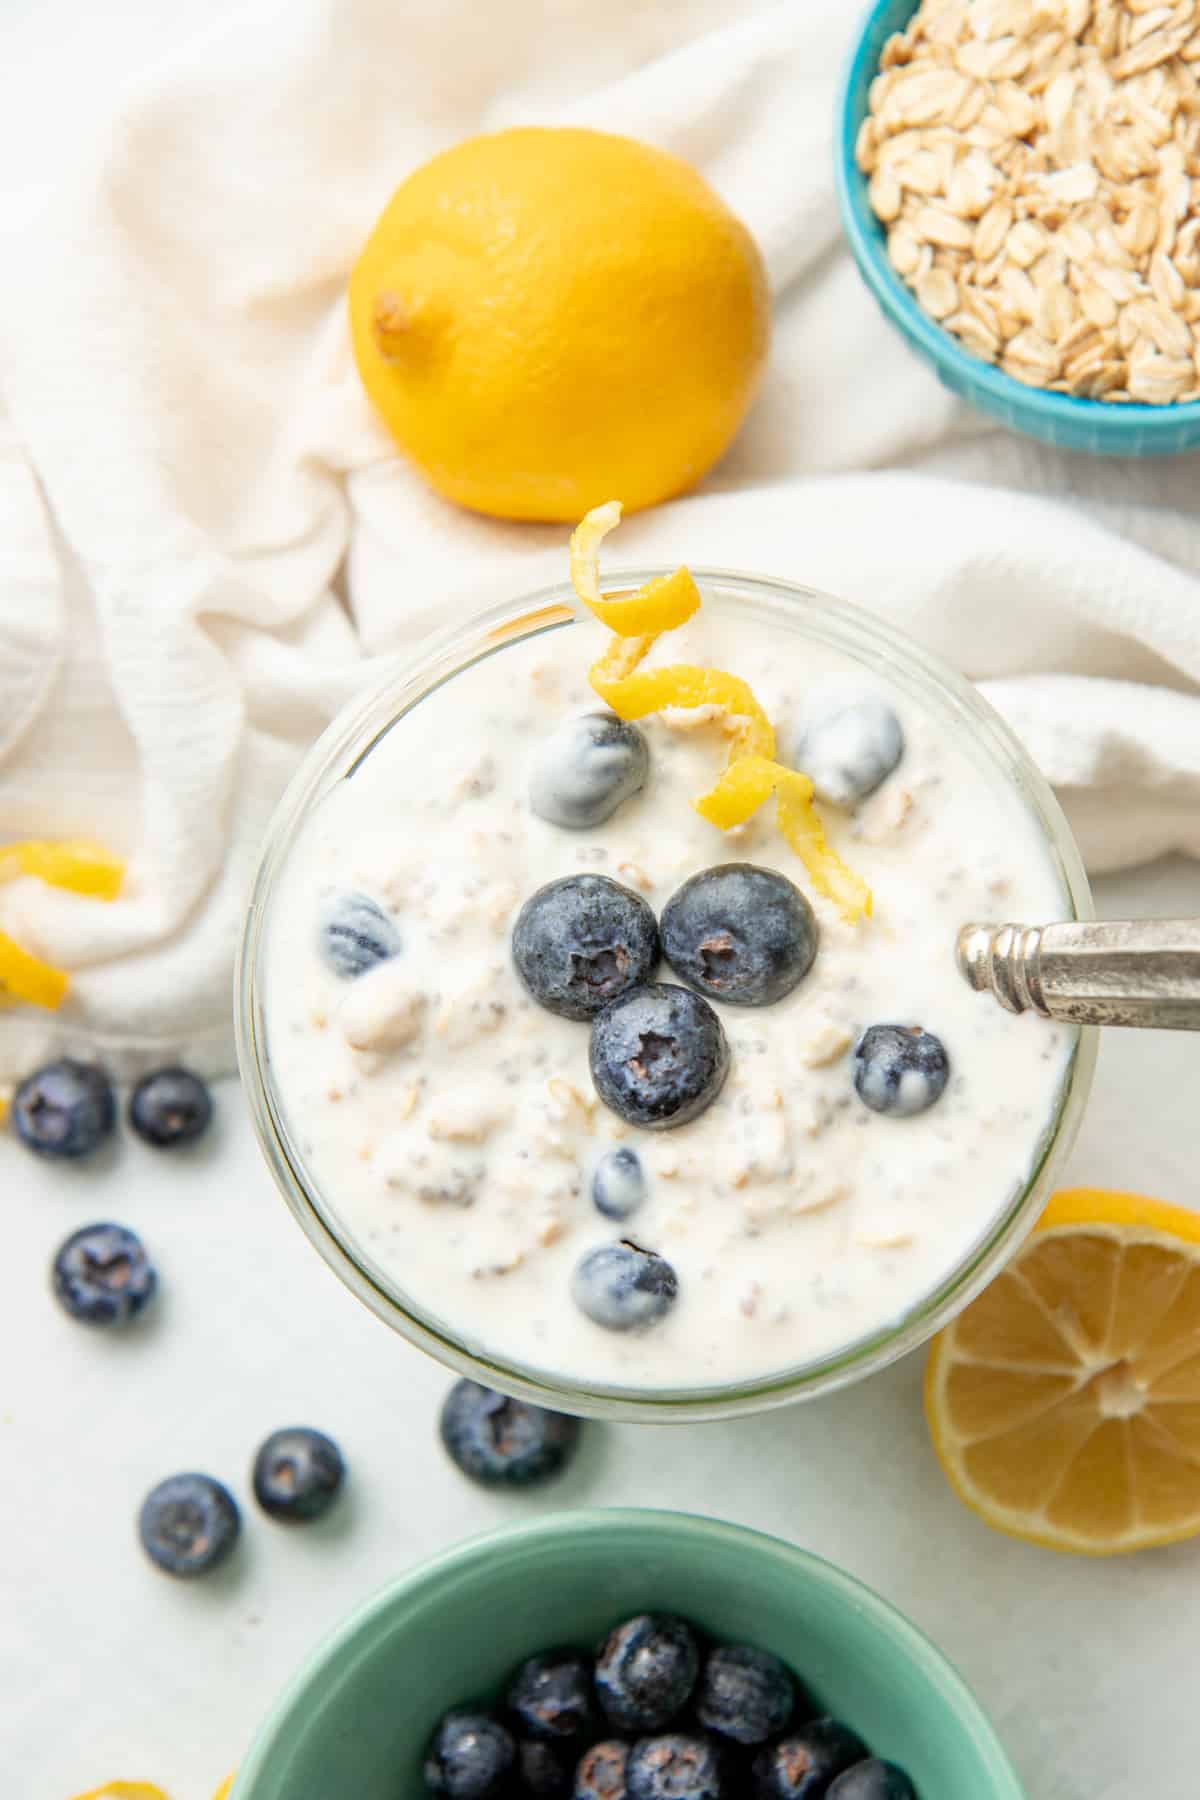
<point x="103" y="1276"/>
<point x="618" y="1184"/>
<point x="544" y="1771"/>
<point x="188" y="1524"/>
<point x="675" y="1767"/>
<point x="586" y="769"/>
<point x="505" y="1443"/>
<point x="624" y="1288"/>
<point x="659" y="1056"/>
<point x="170" y="1107"/>
<point x="900" y="1069"/>
<point x="64" y="1110"/>
<point x="297" y="1474"/>
<point x="745" y="1694"/>
<point x="470" y="1757"/>
<point x="740" y="934"/>
<point x="873" y="1780"/>
<point x="646" y="1669"/>
<point x="848" y="742"/>
<point x="802" y="1764"/>
<point x="551" y="1695"/>
<point x="580" y="942"/>
<point x="601" y="1772"/>
<point x="356" y="934"/>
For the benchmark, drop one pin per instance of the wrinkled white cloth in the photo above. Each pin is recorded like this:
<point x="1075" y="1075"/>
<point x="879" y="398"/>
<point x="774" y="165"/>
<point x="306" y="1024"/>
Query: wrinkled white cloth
<point x="206" y="542"/>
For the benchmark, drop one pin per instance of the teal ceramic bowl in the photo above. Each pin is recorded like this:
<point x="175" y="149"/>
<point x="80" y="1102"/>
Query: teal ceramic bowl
<point x="353" y="1723"/>
<point x="1059" y="419"/>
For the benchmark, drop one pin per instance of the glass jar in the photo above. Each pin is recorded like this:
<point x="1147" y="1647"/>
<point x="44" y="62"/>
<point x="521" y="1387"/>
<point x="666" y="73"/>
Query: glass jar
<point x="792" y="611"/>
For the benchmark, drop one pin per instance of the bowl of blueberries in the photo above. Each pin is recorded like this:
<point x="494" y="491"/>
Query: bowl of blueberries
<point x="626" y="1655"/>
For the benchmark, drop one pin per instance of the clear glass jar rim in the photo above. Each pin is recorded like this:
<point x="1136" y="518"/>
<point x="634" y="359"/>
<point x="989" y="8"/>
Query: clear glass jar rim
<point x="407" y="679"/>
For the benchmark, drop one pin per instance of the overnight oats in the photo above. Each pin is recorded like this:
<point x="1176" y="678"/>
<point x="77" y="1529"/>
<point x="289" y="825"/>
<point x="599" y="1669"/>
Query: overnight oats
<point x="600" y="1008"/>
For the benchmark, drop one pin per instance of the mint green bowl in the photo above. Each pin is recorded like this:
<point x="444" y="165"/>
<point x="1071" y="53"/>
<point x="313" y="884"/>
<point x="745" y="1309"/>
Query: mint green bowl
<point x="354" y="1721"/>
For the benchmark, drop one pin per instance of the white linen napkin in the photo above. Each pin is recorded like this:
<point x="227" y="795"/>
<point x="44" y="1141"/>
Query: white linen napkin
<point x="208" y="542"/>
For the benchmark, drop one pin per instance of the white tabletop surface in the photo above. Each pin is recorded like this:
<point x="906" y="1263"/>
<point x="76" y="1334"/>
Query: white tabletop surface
<point x="106" y="1669"/>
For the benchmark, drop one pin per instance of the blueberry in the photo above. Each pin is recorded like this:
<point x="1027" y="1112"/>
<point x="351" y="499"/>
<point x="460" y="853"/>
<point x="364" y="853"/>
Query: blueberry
<point x="623" y="1287"/>
<point x="900" y="1069"/>
<point x="170" y="1107"/>
<point x="103" y="1276"/>
<point x="618" y="1184"/>
<point x="544" y="1771"/>
<point x="745" y="1694"/>
<point x="470" y="1757"/>
<point x="297" y="1474"/>
<point x="551" y="1695"/>
<point x="646" y="1669"/>
<point x="848" y="742"/>
<point x="676" y="1767"/>
<point x="586" y="769"/>
<point x="66" y="1109"/>
<point x="873" y="1780"/>
<point x="601" y="1772"/>
<point x="580" y="942"/>
<point x="659" y="1056"/>
<point x="505" y="1443"/>
<point x="356" y="934"/>
<point x="188" y="1524"/>
<point x="801" y="1765"/>
<point x="740" y="934"/>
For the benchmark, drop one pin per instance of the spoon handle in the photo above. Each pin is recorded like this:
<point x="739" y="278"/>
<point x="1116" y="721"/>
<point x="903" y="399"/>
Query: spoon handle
<point x="1111" y="972"/>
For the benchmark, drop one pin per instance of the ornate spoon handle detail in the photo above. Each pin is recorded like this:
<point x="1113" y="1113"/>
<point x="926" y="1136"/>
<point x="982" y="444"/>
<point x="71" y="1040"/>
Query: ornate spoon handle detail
<point x="1112" y="972"/>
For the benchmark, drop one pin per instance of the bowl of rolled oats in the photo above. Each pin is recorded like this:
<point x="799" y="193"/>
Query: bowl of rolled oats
<point x="1019" y="181"/>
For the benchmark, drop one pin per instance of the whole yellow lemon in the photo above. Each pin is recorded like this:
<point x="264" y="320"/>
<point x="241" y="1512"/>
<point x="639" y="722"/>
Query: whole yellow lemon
<point x="546" y="317"/>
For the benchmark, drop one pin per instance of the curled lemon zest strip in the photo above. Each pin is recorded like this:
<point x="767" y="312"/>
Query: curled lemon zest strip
<point x="743" y="788"/>
<point x="74" y="863"/>
<point x="752" y="775"/>
<point x="740" y="792"/>
<point x="608" y="673"/>
<point x="124" y="1790"/>
<point x="584" y="551"/>
<point x="144" y="1790"/>
<point x="685" y="685"/>
<point x="661" y="605"/>
<point x="26" y="977"/>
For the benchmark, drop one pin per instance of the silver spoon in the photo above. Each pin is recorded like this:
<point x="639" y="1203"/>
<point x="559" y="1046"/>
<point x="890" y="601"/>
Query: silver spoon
<point x="1111" y="972"/>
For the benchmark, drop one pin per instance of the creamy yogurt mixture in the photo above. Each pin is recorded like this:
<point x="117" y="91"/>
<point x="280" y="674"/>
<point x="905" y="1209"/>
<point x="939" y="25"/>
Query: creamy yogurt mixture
<point x="451" y="1123"/>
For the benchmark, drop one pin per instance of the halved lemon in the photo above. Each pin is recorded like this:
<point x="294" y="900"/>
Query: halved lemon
<point x="1064" y="1403"/>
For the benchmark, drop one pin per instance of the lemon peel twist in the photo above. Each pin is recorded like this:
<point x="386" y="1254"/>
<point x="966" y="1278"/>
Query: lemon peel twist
<point x="752" y="774"/>
<point x="26" y="977"/>
<point x="740" y="792"/>
<point x="684" y="685"/>
<point x="143" y="1790"/>
<point x="124" y="1790"/>
<point x="661" y="605"/>
<point x="80" y="867"/>
<point x="73" y="863"/>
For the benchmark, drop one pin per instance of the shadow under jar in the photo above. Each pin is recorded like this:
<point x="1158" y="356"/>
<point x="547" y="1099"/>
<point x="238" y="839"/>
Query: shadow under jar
<point x="441" y="1149"/>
